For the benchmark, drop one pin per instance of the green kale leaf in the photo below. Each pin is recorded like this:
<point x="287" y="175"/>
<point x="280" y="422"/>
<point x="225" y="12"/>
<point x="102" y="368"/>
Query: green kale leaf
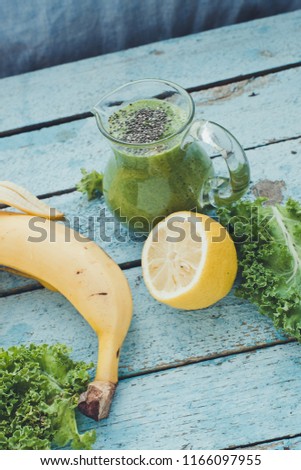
<point x="39" y="390"/>
<point x="90" y="184"/>
<point x="268" y="239"/>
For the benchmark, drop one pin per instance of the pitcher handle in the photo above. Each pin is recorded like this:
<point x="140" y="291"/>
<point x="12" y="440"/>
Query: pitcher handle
<point x="221" y="190"/>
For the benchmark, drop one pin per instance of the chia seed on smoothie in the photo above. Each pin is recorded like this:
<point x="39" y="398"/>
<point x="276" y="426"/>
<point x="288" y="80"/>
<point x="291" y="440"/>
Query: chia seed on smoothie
<point x="146" y="121"/>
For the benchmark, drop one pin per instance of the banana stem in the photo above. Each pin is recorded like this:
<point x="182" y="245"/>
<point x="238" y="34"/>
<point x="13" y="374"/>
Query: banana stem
<point x="96" y="401"/>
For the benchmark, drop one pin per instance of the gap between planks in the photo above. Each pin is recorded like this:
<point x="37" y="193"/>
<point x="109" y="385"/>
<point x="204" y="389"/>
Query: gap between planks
<point x="207" y="86"/>
<point x="268" y="441"/>
<point x="199" y="360"/>
<point x="36" y="286"/>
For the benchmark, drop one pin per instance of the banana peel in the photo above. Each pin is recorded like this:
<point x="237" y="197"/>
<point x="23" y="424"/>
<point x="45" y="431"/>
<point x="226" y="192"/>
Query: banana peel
<point x="20" y="198"/>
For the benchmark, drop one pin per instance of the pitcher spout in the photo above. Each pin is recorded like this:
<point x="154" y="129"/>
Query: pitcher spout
<point x="97" y="113"/>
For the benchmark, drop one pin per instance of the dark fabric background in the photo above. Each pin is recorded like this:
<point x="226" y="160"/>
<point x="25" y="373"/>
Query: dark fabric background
<point x="40" y="33"/>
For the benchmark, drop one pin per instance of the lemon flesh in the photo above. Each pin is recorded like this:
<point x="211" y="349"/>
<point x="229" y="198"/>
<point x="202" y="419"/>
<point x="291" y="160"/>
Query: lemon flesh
<point x="189" y="261"/>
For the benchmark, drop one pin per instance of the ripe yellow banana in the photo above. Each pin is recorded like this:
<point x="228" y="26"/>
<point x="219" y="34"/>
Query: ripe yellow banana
<point x="81" y="271"/>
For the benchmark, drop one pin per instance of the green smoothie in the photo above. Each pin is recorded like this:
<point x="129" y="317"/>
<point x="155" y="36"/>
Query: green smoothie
<point x="151" y="175"/>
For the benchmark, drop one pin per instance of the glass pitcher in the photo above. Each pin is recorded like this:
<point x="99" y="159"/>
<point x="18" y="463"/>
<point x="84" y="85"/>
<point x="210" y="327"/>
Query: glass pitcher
<point x="147" y="180"/>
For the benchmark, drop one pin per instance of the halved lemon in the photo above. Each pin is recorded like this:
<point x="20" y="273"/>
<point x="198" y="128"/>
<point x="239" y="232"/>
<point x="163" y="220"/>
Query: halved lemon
<point x="189" y="261"/>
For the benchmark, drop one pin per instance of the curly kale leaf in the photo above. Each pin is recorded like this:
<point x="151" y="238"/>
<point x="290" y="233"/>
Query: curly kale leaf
<point x="268" y="239"/>
<point x="39" y="389"/>
<point x="90" y="184"/>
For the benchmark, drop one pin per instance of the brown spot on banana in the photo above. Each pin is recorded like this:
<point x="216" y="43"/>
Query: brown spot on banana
<point x="99" y="293"/>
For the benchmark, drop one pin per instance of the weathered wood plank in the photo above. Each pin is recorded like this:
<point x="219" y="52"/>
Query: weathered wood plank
<point x="56" y="154"/>
<point x="249" y="108"/>
<point x="216" y="404"/>
<point x="200" y="59"/>
<point x="280" y="162"/>
<point x="159" y="337"/>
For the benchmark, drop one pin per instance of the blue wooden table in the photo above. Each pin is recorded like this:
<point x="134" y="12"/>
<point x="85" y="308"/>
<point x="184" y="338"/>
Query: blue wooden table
<point x="220" y="378"/>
